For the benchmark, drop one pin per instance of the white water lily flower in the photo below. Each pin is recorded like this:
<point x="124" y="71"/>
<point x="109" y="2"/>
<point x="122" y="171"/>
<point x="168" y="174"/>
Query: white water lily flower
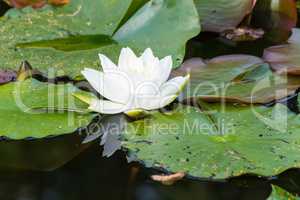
<point x="136" y="84"/>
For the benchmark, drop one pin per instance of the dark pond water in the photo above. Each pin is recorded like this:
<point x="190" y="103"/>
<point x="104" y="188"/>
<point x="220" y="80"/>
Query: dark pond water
<point x="90" y="177"/>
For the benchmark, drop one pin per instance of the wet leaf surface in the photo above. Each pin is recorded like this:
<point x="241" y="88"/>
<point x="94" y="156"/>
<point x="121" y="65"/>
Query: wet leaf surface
<point x="217" y="142"/>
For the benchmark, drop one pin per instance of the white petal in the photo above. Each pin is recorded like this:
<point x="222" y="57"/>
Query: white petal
<point x="106" y="107"/>
<point x="151" y="70"/>
<point x="165" y="67"/>
<point x="154" y="102"/>
<point x="146" y="88"/>
<point x="115" y="85"/>
<point x="106" y="63"/>
<point x="174" y="86"/>
<point x="128" y="61"/>
<point x="148" y="57"/>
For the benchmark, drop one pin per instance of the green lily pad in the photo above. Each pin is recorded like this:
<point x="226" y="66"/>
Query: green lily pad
<point x="280" y="194"/>
<point x="235" y="78"/>
<point x="218" y="141"/>
<point x="221" y="15"/>
<point x="285" y="58"/>
<point x="35" y="109"/>
<point x="63" y="40"/>
<point x="53" y="97"/>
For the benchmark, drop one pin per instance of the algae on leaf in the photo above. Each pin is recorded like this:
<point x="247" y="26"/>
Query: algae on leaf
<point x="217" y="141"/>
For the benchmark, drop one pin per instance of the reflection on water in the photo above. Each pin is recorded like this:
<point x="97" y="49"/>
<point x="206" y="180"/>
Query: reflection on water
<point x="90" y="177"/>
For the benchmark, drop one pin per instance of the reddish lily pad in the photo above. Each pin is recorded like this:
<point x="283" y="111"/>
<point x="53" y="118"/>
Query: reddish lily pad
<point x="235" y="78"/>
<point x="285" y="58"/>
<point x="7" y="76"/>
<point x="35" y="3"/>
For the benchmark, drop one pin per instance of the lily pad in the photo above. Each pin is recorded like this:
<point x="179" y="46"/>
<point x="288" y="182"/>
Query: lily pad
<point x="221" y="15"/>
<point x="22" y="115"/>
<point x="280" y="194"/>
<point x="63" y="40"/>
<point x="285" y="58"/>
<point x="217" y="142"/>
<point x="36" y="95"/>
<point x="235" y="78"/>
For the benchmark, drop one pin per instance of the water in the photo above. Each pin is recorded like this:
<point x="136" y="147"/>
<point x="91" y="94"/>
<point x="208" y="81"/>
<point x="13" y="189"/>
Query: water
<point x="90" y="176"/>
